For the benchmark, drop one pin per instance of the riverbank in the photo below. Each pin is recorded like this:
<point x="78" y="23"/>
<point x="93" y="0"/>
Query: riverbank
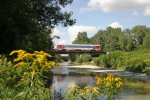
<point x="135" y="61"/>
<point x="120" y="73"/>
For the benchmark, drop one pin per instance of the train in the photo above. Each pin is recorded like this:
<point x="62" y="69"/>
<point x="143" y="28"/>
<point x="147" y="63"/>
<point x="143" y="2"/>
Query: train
<point x="78" y="47"/>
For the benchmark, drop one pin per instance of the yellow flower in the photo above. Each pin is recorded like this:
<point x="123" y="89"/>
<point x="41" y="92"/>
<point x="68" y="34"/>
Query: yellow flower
<point x="73" y="87"/>
<point x="96" y="90"/>
<point x="18" y="52"/>
<point x="18" y="59"/>
<point x="20" y="64"/>
<point x="99" y="80"/>
<point x="28" y="56"/>
<point x="119" y="84"/>
<point x="87" y="89"/>
<point x="42" y="53"/>
<point x="110" y="75"/>
<point x="117" y="79"/>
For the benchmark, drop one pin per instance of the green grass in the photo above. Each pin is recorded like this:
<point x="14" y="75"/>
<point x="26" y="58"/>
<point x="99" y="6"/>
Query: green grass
<point x="136" y="61"/>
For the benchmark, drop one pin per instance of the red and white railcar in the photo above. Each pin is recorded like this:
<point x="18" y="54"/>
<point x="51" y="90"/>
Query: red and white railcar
<point x="86" y="47"/>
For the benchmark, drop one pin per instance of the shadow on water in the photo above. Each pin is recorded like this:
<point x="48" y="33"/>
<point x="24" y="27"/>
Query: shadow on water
<point x="64" y="77"/>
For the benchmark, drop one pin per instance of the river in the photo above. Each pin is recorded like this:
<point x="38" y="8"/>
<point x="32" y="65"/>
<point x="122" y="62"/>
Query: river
<point x="134" y="89"/>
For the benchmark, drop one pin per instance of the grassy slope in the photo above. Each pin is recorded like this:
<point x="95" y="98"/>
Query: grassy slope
<point x="136" y="61"/>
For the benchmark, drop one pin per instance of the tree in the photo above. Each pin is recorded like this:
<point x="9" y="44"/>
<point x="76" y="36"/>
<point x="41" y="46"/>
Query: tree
<point x="112" y="38"/>
<point x="146" y="42"/>
<point x="26" y="24"/>
<point x="81" y="38"/>
<point x="126" y="42"/>
<point x="99" y="38"/>
<point x="139" y="33"/>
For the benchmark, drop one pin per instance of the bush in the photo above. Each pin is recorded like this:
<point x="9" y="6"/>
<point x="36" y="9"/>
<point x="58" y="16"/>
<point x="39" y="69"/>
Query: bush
<point x="79" y="60"/>
<point x="83" y="58"/>
<point x="86" y="57"/>
<point x="147" y="70"/>
<point x="96" y="61"/>
<point x="135" y="61"/>
<point x="23" y="78"/>
<point x="135" y="65"/>
<point x="112" y="60"/>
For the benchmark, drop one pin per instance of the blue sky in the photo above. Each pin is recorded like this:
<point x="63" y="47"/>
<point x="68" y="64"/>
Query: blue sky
<point x="94" y="15"/>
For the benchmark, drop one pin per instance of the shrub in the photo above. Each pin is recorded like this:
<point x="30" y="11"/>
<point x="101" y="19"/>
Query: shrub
<point x="86" y="57"/>
<point x="112" y="60"/>
<point x="147" y="70"/>
<point x="24" y="75"/>
<point x="79" y="60"/>
<point x="135" y="65"/>
<point x="83" y="58"/>
<point x="96" y="61"/>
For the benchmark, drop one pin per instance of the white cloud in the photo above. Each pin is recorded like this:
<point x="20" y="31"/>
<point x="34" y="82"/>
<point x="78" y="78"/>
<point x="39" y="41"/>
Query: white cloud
<point x="147" y="11"/>
<point x="136" y="13"/>
<point x="56" y="32"/>
<point x="74" y="30"/>
<point x="115" y="25"/>
<point x="115" y="5"/>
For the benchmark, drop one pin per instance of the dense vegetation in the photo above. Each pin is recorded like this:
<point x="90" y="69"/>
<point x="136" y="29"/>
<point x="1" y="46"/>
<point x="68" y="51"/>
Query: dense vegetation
<point x="135" y="61"/>
<point x="27" y="24"/>
<point x="25" y="77"/>
<point x="130" y="48"/>
<point x="114" y="39"/>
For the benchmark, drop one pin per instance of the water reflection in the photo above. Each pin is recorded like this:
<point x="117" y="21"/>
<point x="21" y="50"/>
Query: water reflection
<point x="132" y="90"/>
<point x="63" y="81"/>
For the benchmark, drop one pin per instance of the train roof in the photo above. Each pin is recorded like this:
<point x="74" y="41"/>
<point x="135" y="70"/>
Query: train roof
<point x="80" y="44"/>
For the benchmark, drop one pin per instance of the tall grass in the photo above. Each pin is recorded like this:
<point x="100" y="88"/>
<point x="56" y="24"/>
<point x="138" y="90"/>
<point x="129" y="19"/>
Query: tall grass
<point x="135" y="61"/>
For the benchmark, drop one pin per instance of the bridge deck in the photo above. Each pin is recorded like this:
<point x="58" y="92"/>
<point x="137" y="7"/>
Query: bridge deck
<point x="76" y="52"/>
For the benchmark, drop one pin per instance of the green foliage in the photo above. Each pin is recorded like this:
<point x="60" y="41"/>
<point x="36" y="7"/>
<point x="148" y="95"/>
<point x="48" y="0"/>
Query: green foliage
<point x="114" y="39"/>
<point x="6" y="89"/>
<point x="147" y="70"/>
<point x="136" y="61"/>
<point x="139" y="33"/>
<point x="112" y="60"/>
<point x="110" y="85"/>
<point x="72" y="57"/>
<point x="107" y="86"/>
<point x="86" y="57"/>
<point x="99" y="38"/>
<point x="96" y="61"/>
<point x="79" y="60"/>
<point x="135" y="65"/>
<point x="26" y="23"/>
<point x="146" y="42"/>
<point x="23" y="77"/>
<point x="81" y="38"/>
<point x="83" y="58"/>
<point x="75" y="92"/>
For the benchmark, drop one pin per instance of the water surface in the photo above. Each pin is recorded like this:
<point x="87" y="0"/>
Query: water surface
<point x="132" y="90"/>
